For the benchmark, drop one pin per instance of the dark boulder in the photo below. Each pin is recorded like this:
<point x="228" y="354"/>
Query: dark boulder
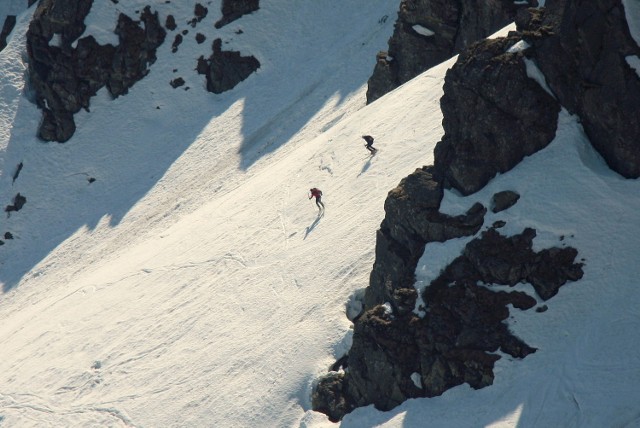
<point x="330" y="398"/>
<point x="177" y="41"/>
<point x="177" y="82"/>
<point x="53" y="74"/>
<point x="503" y="200"/>
<point x="200" y="12"/>
<point x="384" y="355"/>
<point x="225" y="69"/>
<point x="63" y="17"/>
<point x="494" y="115"/>
<point x="512" y="260"/>
<point x="170" y="23"/>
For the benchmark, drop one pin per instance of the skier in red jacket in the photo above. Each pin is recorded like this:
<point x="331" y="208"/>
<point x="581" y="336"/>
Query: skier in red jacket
<point x="317" y="193"/>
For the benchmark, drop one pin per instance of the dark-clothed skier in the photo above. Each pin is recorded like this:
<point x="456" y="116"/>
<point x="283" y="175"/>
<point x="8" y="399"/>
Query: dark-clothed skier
<point x="317" y="193"/>
<point x="369" y="145"/>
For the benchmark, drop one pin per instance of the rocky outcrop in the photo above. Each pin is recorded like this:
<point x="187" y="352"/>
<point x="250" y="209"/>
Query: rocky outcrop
<point x="428" y="32"/>
<point x="582" y="49"/>
<point x="225" y="69"/>
<point x="503" y="200"/>
<point x="401" y="354"/>
<point x="55" y="25"/>
<point x="401" y="350"/>
<point x="234" y="9"/>
<point x="494" y="115"/>
<point x="200" y="12"/>
<point x="136" y="51"/>
<point x="170" y="23"/>
<point x="66" y="72"/>
<point x="412" y="220"/>
<point x="499" y="260"/>
<point x="177" y="41"/>
<point x="7" y="27"/>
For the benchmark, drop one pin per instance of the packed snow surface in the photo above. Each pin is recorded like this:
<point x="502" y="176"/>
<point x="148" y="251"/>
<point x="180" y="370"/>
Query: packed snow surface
<point x="193" y="283"/>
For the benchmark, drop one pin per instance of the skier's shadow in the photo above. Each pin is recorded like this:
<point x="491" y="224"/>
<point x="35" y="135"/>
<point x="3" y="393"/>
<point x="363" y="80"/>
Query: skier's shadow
<point x="313" y="225"/>
<point x="366" y="166"/>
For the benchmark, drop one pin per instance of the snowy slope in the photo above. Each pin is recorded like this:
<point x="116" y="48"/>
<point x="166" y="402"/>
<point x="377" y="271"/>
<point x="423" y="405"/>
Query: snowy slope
<point x="193" y="283"/>
<point x="11" y="7"/>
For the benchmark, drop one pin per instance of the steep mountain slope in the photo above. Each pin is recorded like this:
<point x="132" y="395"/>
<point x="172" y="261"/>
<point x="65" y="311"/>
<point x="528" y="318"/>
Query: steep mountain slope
<point x="193" y="284"/>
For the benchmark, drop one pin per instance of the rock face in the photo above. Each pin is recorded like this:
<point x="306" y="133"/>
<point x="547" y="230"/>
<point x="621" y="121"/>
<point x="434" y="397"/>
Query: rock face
<point x="503" y="200"/>
<point x="428" y="32"/>
<point x="400" y="351"/>
<point x="225" y="69"/>
<point x="234" y="9"/>
<point x="494" y="115"/>
<point x="397" y="354"/>
<point x="582" y="49"/>
<point x="200" y="12"/>
<point x="65" y="77"/>
<point x="136" y="51"/>
<point x="499" y="260"/>
<point x="412" y="220"/>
